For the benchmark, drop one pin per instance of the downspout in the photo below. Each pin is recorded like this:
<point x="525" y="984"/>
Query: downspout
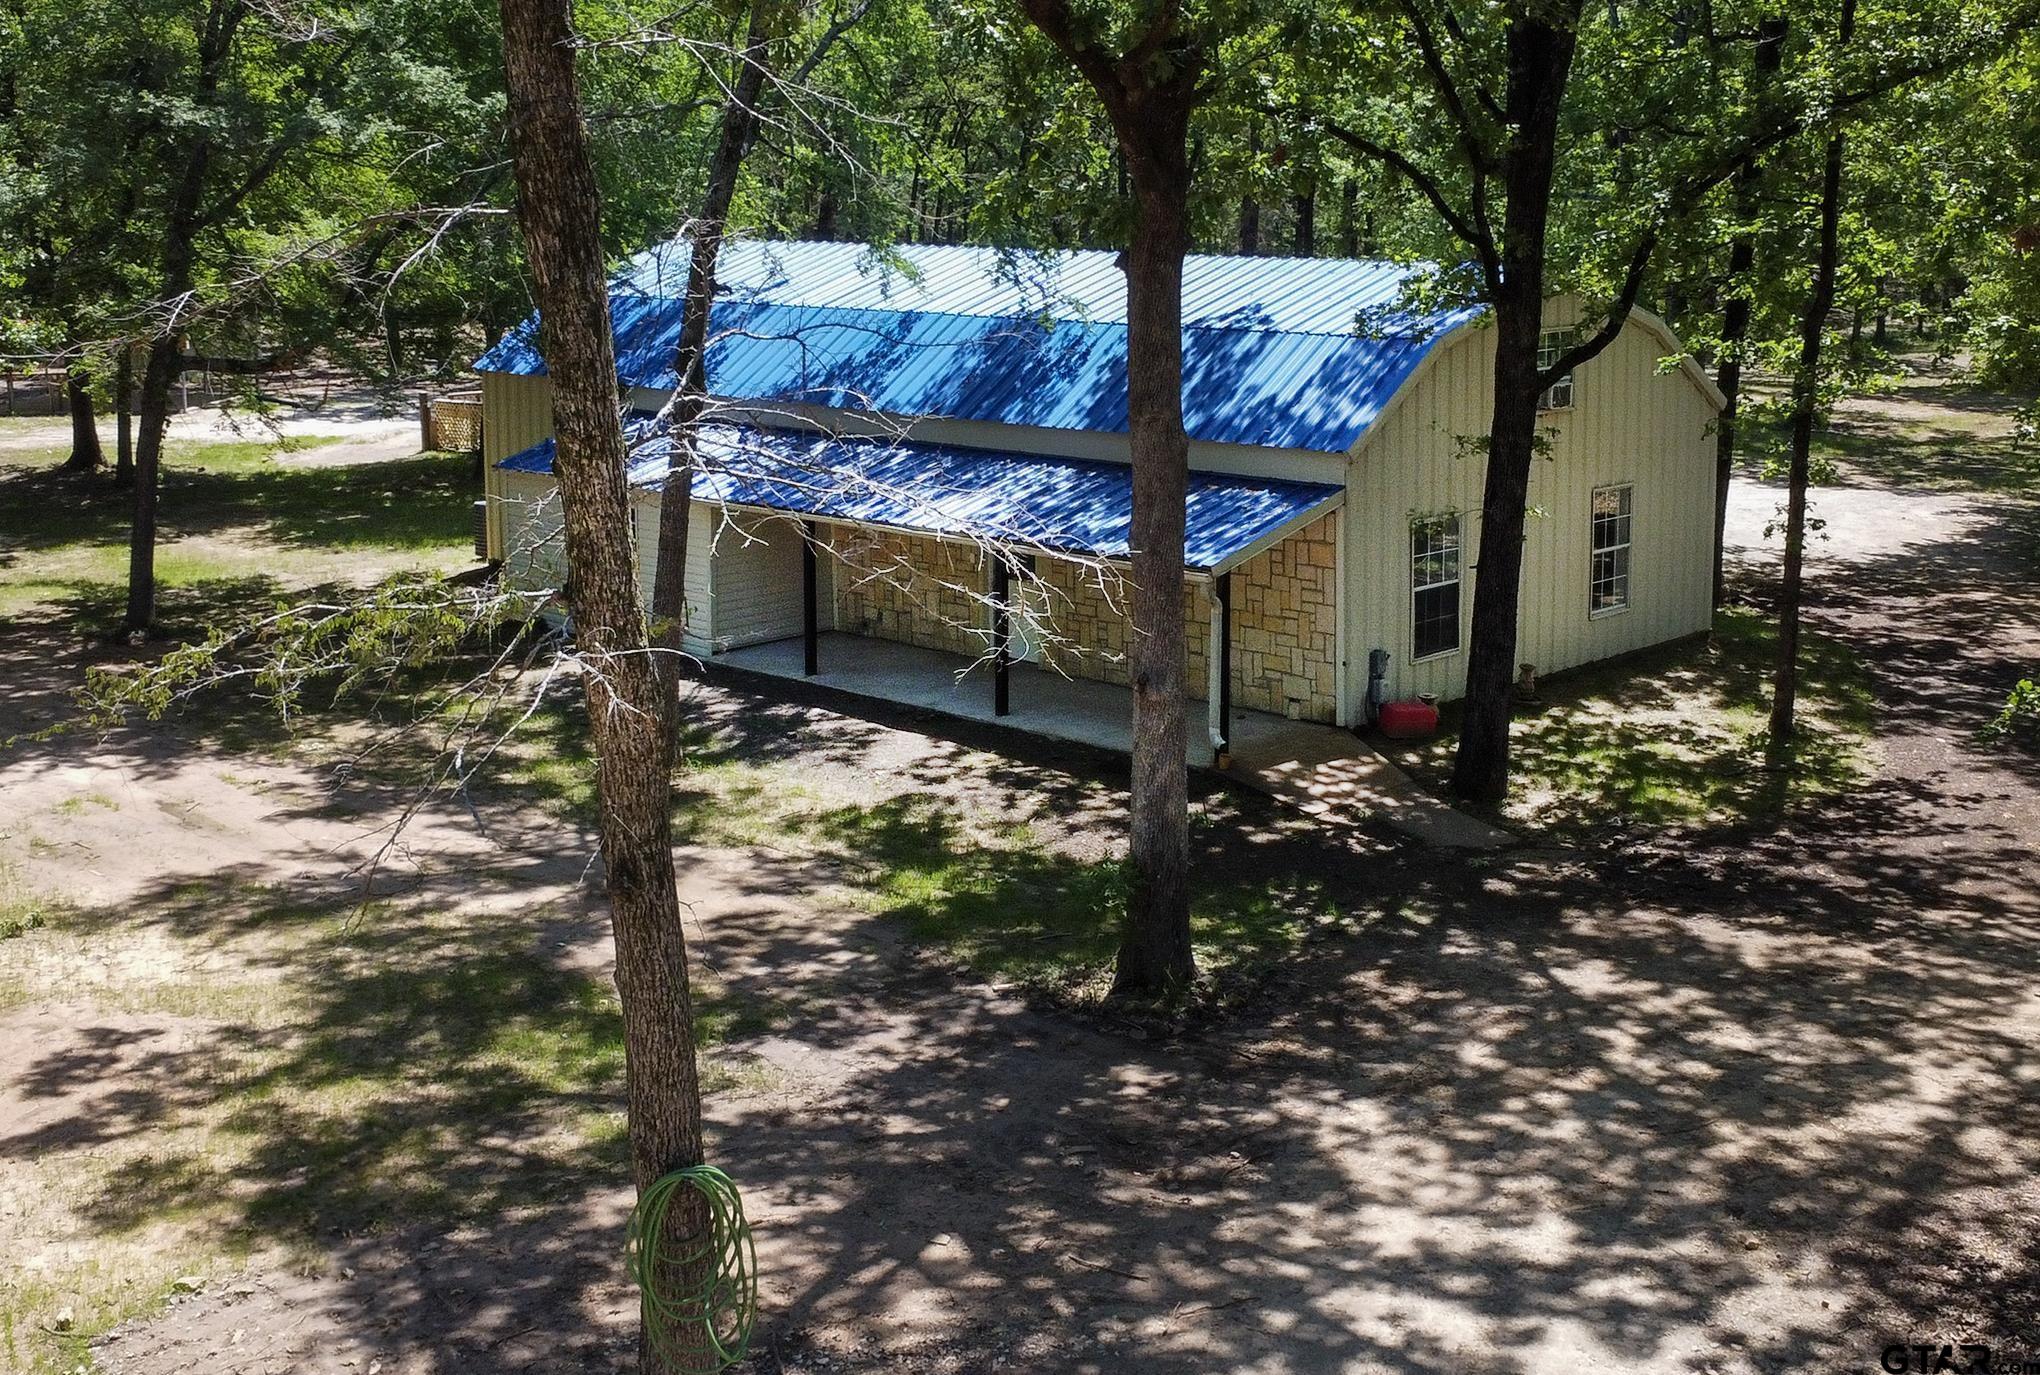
<point x="1342" y="708"/>
<point x="1213" y="667"/>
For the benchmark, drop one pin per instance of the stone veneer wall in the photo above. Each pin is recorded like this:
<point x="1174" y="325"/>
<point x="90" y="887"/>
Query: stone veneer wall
<point x="910" y="589"/>
<point x="1285" y="627"/>
<point x="1285" y="638"/>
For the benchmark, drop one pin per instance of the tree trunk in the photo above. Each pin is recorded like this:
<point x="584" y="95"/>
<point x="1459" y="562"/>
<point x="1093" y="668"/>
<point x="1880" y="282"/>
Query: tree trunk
<point x="825" y="215"/>
<point x="124" y="411"/>
<point x="1540" y="53"/>
<point x="1805" y="400"/>
<point x="1349" y="219"/>
<point x="559" y="209"/>
<point x="676" y="498"/>
<point x="215" y="32"/>
<point x="158" y="377"/>
<point x="1735" y="315"/>
<point x="86" y="454"/>
<point x="1481" y="770"/>
<point x="1306" y="224"/>
<point x="1150" y="100"/>
<point x="1250" y="209"/>
<point x="1735" y="328"/>
<point x="1155" y="955"/>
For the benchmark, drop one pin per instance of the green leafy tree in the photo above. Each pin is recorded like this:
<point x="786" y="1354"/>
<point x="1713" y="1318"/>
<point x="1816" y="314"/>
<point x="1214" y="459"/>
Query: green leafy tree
<point x="1545" y="134"/>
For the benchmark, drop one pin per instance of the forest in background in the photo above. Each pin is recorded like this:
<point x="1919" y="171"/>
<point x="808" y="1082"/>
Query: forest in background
<point x="349" y="180"/>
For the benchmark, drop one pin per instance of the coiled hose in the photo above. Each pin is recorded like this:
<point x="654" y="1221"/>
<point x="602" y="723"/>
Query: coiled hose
<point x="699" y="1288"/>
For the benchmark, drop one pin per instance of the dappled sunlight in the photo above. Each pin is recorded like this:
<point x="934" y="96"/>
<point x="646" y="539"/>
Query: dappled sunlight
<point x="1518" y="1138"/>
<point x="1486" y="1111"/>
<point x="231" y="515"/>
<point x="1934" y="434"/>
<point x="1732" y="1093"/>
<point x="1677" y="737"/>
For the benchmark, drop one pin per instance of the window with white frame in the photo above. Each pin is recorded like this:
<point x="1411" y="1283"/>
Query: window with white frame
<point x="1550" y="344"/>
<point x="1608" y="576"/>
<point x="1434" y="586"/>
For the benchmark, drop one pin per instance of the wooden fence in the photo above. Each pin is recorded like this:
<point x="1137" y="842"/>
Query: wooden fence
<point x="452" y="422"/>
<point x="31" y="384"/>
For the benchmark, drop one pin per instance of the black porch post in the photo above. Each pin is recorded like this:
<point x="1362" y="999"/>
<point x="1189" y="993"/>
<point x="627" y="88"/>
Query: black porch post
<point x="1224" y="669"/>
<point x="811" y="639"/>
<point x="1002" y="637"/>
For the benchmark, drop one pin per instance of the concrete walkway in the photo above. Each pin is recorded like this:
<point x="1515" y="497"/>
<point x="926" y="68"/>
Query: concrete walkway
<point x="1333" y="773"/>
<point x="1321" y="769"/>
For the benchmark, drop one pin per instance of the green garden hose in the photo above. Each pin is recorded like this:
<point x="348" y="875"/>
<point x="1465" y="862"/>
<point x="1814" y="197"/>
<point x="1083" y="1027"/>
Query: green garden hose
<point x="699" y="1286"/>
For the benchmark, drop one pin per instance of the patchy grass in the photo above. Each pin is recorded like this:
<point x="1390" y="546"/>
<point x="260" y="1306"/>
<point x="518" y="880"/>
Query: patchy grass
<point x="1675" y="737"/>
<point x="231" y="517"/>
<point x="1928" y="429"/>
<point x="997" y="897"/>
<point x="298" y="1071"/>
<point x="38" y="442"/>
<point x="1000" y="898"/>
<point x="21" y="911"/>
<point x="1935" y="446"/>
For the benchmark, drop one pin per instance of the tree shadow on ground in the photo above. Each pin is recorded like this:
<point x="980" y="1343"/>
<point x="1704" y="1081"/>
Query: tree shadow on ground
<point x="1522" y="1113"/>
<point x="1934" y="457"/>
<point x="410" y="503"/>
<point x="392" y="729"/>
<point x="1942" y="616"/>
<point x="1500" y="1122"/>
<point x="1658" y="1107"/>
<point x="1672" y="736"/>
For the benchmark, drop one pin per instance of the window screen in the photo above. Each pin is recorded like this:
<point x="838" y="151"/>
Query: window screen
<point x="1608" y="579"/>
<point x="1434" y="586"/>
<point x="1550" y="344"/>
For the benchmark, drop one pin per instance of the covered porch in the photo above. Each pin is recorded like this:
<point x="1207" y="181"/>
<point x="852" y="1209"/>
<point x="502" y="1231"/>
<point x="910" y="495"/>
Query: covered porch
<point x="1324" y="770"/>
<point x="1012" y="558"/>
<point x="1035" y="699"/>
<point x="1019" y="555"/>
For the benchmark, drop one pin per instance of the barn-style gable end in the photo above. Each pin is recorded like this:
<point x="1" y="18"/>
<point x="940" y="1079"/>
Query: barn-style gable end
<point x="1619" y="549"/>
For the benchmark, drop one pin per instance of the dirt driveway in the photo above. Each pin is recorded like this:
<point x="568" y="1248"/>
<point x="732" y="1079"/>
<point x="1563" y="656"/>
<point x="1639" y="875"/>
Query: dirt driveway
<point x="1736" y="1103"/>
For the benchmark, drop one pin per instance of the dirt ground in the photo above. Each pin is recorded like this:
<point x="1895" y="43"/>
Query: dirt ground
<point x="357" y="425"/>
<point x="1722" y="1102"/>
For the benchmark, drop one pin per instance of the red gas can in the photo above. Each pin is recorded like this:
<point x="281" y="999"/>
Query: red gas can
<point x="1407" y="720"/>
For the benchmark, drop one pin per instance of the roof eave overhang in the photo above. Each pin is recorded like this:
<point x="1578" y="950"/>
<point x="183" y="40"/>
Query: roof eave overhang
<point x="1332" y="501"/>
<point x="1302" y="520"/>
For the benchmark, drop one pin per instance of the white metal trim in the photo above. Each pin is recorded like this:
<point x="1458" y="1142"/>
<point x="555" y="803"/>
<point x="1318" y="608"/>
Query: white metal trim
<point x="1342" y="711"/>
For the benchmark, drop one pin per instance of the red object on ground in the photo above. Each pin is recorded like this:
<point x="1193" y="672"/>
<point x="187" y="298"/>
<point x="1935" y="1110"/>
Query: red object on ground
<point x="1407" y="720"/>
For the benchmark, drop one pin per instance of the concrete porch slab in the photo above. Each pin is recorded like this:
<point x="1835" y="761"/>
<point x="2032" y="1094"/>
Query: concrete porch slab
<point x="1321" y="769"/>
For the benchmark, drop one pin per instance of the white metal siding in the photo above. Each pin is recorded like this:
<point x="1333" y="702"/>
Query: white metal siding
<point x="758" y="581"/>
<point x="701" y="571"/>
<point x="535" y="556"/>
<point x="1629" y="423"/>
<point x="531" y="543"/>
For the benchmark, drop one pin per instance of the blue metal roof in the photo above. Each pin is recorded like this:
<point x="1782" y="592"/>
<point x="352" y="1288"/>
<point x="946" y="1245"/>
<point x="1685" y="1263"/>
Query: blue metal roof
<point x="1057" y="504"/>
<point x="1289" y="352"/>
